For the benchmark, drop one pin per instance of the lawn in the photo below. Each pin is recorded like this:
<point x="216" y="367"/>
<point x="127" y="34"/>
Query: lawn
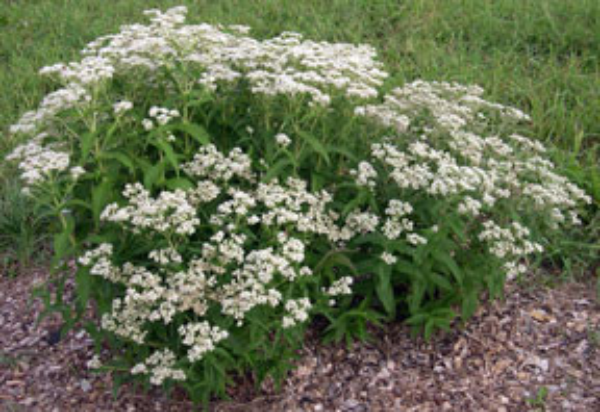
<point x="542" y="57"/>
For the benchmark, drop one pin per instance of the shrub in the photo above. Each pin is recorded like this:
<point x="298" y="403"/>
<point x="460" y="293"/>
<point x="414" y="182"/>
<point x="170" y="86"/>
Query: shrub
<point x="219" y="191"/>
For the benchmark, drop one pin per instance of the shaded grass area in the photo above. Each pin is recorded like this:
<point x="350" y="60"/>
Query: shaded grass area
<point x="542" y="56"/>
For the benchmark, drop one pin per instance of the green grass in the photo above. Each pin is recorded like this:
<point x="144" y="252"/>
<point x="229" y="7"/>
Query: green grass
<point x="540" y="55"/>
<point x="22" y="231"/>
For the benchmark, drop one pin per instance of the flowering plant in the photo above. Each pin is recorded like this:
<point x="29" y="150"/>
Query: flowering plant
<point x="218" y="191"/>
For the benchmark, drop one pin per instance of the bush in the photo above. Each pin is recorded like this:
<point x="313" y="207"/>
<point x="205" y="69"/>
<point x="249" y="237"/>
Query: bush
<point x="219" y="191"/>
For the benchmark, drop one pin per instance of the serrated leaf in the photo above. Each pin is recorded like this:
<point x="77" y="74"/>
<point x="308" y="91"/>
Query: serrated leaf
<point x="450" y="263"/>
<point x="384" y="289"/>
<point x="354" y="203"/>
<point x="196" y="131"/>
<point x="83" y="286"/>
<point x="86" y="142"/>
<point x="179" y="183"/>
<point x="333" y="258"/>
<point x="469" y="305"/>
<point x="277" y="168"/>
<point x="344" y="152"/>
<point x="62" y="244"/>
<point x="417" y="319"/>
<point x="152" y="175"/>
<point x="316" y="145"/>
<point x="415" y="298"/>
<point x="440" y="281"/>
<point x="101" y="196"/>
<point x="169" y="153"/>
<point x="121" y="158"/>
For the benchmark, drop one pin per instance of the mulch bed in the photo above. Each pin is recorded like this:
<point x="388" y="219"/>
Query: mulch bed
<point x="537" y="350"/>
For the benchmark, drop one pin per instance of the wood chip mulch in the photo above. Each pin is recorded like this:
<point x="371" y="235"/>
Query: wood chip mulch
<point x="537" y="350"/>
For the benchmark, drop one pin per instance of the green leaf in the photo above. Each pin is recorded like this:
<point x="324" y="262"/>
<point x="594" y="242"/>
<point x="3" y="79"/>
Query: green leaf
<point x="153" y="174"/>
<point x="62" y="244"/>
<point x="447" y="260"/>
<point x="316" y="145"/>
<point x="440" y="281"/>
<point x="458" y="228"/>
<point x="354" y="203"/>
<point x="336" y="257"/>
<point x="344" y="152"/>
<point x="169" y="153"/>
<point x="277" y="168"/>
<point x="469" y="305"/>
<point x="83" y="287"/>
<point x="385" y="290"/>
<point x="121" y="158"/>
<point x="196" y="131"/>
<point x="179" y="183"/>
<point x="417" y="293"/>
<point x="102" y="194"/>
<point x="87" y="140"/>
<point x="80" y="203"/>
<point x="417" y="319"/>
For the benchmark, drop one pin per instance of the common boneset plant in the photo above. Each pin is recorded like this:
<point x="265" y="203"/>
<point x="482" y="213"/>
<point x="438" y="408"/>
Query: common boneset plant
<point x="218" y="191"/>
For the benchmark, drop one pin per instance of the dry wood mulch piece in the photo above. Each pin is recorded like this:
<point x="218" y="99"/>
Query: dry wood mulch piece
<point x="537" y="350"/>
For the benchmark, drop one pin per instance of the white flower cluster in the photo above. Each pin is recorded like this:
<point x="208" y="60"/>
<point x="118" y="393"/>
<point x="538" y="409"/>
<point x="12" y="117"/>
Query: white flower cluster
<point x="452" y="106"/>
<point x="283" y="139"/>
<point x="91" y="70"/>
<point x="165" y="256"/>
<point x="365" y="175"/>
<point x="297" y="312"/>
<point x="342" y="286"/>
<point x="160" y="366"/>
<point x="388" y="258"/>
<point x="121" y="107"/>
<point x="509" y="244"/>
<point x="286" y="64"/>
<point x="161" y="115"/>
<point x="452" y="159"/>
<point x="38" y="162"/>
<point x="396" y="222"/>
<point x="201" y="338"/>
<point x="209" y="162"/>
<point x="171" y="212"/>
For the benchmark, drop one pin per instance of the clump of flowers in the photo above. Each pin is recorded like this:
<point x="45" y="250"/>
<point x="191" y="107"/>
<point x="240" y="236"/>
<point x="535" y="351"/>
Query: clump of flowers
<point x="219" y="191"/>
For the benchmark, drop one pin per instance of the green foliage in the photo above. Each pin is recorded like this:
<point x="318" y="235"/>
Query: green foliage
<point x="22" y="240"/>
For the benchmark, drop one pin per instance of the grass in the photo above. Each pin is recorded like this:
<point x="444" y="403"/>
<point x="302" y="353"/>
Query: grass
<point x="541" y="55"/>
<point x="22" y="234"/>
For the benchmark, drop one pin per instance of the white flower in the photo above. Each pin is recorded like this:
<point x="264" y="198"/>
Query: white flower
<point x="416" y="240"/>
<point x="94" y="362"/>
<point x="342" y="286"/>
<point x="201" y="338"/>
<point x="162" y="115"/>
<point x="147" y="124"/>
<point x="283" y="140"/>
<point x="297" y="311"/>
<point x="365" y="175"/>
<point x="160" y="366"/>
<point x="122" y="107"/>
<point x="389" y="258"/>
<point x="76" y="172"/>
